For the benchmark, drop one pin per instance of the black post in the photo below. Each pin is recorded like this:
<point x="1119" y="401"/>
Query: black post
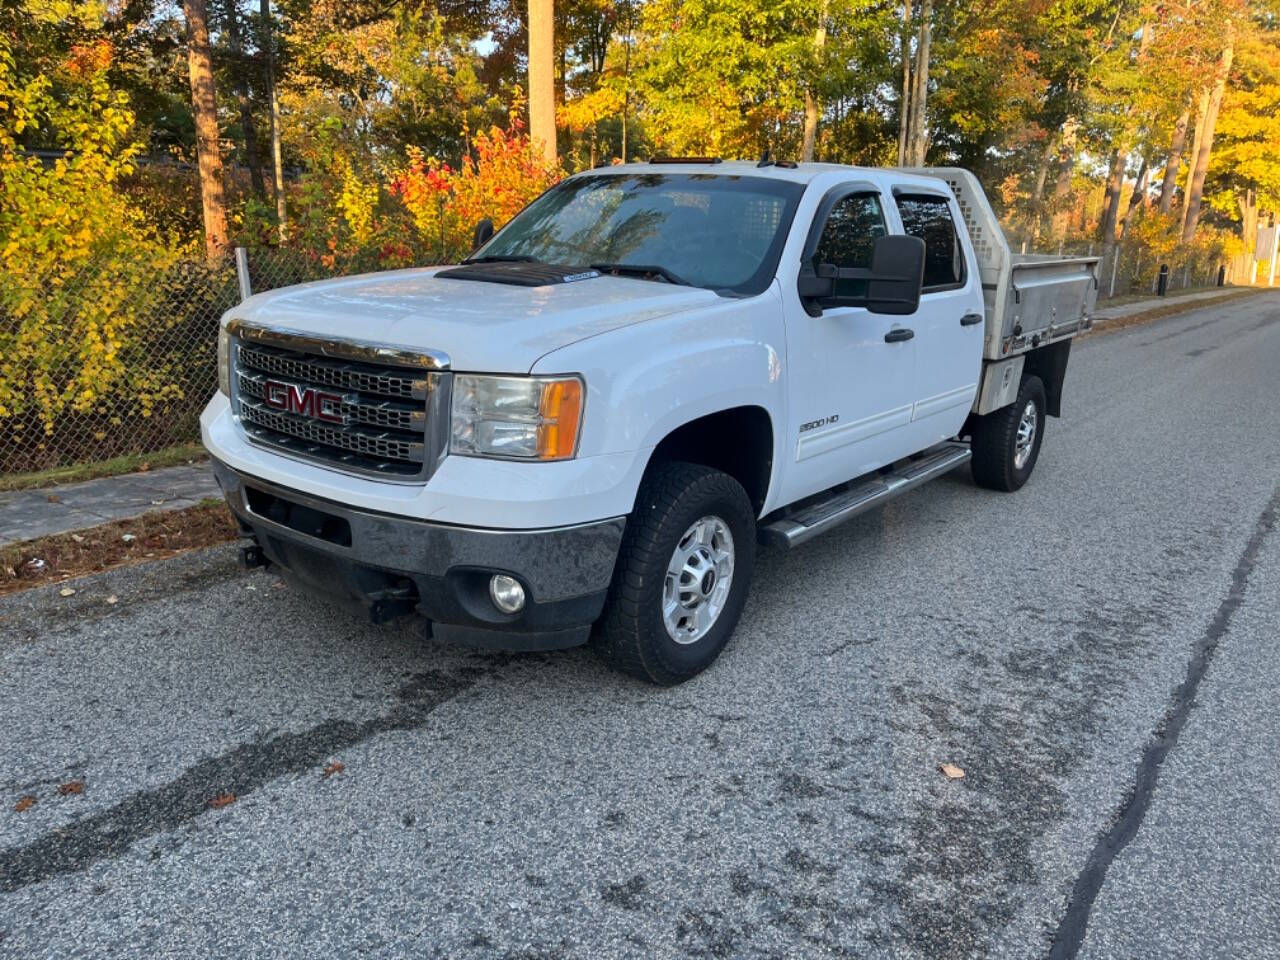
<point x="1162" y="285"/>
<point x="1222" y="274"/>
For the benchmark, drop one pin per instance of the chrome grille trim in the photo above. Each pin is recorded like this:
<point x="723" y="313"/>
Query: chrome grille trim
<point x="338" y="348"/>
<point x="368" y="444"/>
<point x="344" y="376"/>
<point x="396" y="416"/>
<point x="387" y="414"/>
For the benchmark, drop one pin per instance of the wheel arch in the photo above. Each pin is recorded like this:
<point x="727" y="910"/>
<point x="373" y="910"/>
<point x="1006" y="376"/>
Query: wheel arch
<point x="737" y="441"/>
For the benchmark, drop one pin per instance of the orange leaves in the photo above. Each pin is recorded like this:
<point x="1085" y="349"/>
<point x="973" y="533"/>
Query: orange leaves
<point x="500" y="177"/>
<point x="331" y="768"/>
<point x="71" y="787"/>
<point x="222" y="800"/>
<point x="24" y="803"/>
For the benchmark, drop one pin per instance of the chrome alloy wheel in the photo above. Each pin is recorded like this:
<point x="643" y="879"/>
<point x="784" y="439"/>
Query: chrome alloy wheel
<point x="1026" y="438"/>
<point x="699" y="576"/>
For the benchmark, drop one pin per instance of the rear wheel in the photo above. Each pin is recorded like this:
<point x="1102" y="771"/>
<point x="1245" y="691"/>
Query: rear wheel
<point x="1006" y="443"/>
<point x="682" y="574"/>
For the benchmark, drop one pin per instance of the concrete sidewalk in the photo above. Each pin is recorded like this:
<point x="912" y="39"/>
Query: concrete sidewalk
<point x="26" y="514"/>
<point x="1103" y="313"/>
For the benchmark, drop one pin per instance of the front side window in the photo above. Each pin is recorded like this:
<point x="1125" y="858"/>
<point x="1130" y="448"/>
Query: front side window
<point x="929" y="218"/>
<point x="849" y="236"/>
<point x="718" y="231"/>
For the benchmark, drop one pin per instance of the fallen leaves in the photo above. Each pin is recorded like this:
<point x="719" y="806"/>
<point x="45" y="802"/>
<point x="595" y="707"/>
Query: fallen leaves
<point x="222" y="800"/>
<point x="24" y="803"/>
<point x="951" y="771"/>
<point x="66" y="592"/>
<point x="53" y="498"/>
<point x="71" y="787"/>
<point x="61" y="557"/>
<point x="335" y="767"/>
<point x="113" y="599"/>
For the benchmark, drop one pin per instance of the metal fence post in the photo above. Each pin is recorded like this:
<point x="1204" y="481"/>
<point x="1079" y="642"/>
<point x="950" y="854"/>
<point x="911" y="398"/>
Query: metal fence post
<point x="242" y="273"/>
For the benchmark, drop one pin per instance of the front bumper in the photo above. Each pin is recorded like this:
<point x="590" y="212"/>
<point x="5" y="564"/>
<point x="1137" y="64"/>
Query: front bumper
<point x="388" y="565"/>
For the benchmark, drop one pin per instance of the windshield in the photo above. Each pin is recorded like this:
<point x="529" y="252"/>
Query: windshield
<point x="721" y="232"/>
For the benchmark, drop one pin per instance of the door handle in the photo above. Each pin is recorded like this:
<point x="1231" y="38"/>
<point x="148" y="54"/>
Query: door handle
<point x="898" y="334"/>
<point x="969" y="319"/>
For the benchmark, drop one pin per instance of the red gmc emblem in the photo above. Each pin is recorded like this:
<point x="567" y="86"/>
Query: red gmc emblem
<point x="305" y="401"/>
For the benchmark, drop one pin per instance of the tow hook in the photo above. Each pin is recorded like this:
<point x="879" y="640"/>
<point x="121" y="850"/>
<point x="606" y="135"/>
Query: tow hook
<point x="252" y="557"/>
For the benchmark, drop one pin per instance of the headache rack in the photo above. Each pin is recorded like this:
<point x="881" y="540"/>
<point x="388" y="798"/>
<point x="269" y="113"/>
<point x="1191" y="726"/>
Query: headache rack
<point x="370" y="410"/>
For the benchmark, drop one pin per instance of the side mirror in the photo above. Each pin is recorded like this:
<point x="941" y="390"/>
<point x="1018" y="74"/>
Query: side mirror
<point x="897" y="273"/>
<point x="484" y="231"/>
<point x="891" y="285"/>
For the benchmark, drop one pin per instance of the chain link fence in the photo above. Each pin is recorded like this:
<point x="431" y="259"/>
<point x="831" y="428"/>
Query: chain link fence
<point x="119" y="359"/>
<point x="113" y="359"/>
<point x="1132" y="270"/>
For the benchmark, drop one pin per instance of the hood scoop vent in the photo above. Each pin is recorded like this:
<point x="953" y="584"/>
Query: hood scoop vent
<point x="518" y="273"/>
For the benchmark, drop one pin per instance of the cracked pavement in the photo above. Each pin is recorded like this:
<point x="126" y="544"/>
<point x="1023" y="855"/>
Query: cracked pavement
<point x="787" y="802"/>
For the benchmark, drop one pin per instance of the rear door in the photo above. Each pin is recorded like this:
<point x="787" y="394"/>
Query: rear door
<point x="949" y="323"/>
<point x="851" y="376"/>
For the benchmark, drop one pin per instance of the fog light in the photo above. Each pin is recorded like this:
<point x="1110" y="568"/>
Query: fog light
<point x="506" y="593"/>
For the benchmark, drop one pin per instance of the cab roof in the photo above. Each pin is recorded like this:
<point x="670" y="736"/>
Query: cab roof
<point x="796" y="173"/>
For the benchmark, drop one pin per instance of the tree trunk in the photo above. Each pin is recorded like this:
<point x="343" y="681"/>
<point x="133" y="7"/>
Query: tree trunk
<point x="251" y="155"/>
<point x="1037" y="188"/>
<point x="918" y="142"/>
<point x="542" y="78"/>
<point x="204" y="105"/>
<point x="1111" y="210"/>
<point x="1195" y="183"/>
<point x="1062" y="186"/>
<point x="1135" y="199"/>
<point x="277" y="168"/>
<point x="1249" y="225"/>
<point x="1174" y="162"/>
<point x="810" y="95"/>
<point x="904" y="108"/>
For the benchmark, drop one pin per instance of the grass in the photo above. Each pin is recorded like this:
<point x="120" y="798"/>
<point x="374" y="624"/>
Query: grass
<point x="130" y="463"/>
<point x="141" y="539"/>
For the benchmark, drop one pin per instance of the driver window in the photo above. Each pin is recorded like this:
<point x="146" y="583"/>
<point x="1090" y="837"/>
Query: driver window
<point x="848" y="237"/>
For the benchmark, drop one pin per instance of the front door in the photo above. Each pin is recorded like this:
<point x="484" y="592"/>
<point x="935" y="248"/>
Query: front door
<point x="852" y="372"/>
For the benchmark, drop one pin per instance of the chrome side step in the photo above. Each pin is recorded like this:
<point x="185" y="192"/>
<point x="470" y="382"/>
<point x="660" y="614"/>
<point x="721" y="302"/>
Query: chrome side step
<point x="816" y="518"/>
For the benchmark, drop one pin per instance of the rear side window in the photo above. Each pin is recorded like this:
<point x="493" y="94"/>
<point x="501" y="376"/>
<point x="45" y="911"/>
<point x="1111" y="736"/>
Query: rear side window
<point x="929" y="218"/>
<point x="849" y="236"/>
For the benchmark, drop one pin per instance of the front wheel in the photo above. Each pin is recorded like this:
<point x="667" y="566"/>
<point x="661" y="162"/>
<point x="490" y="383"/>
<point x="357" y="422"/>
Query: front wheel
<point x="682" y="574"/>
<point x="1006" y="443"/>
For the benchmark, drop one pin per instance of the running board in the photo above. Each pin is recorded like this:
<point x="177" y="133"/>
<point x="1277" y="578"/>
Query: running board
<point x="816" y="518"/>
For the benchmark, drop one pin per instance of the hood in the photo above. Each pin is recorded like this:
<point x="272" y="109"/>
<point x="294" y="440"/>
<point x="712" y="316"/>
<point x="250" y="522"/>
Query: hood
<point x="482" y="326"/>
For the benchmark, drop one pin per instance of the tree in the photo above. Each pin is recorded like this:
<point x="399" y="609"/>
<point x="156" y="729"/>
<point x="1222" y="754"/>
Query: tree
<point x="204" y="104"/>
<point x="1204" y="142"/>
<point x="542" y="92"/>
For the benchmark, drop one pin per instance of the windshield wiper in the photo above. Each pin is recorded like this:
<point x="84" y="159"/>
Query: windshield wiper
<point x="502" y="258"/>
<point x="642" y="271"/>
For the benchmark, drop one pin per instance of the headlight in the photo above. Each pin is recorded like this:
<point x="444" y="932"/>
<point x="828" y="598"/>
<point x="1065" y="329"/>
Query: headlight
<point x="224" y="361"/>
<point x="522" y="418"/>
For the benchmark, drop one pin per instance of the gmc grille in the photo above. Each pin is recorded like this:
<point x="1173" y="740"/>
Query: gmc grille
<point x="377" y="419"/>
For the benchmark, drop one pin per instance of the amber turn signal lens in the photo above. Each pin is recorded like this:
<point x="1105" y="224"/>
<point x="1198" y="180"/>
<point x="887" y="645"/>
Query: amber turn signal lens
<point x="561" y="416"/>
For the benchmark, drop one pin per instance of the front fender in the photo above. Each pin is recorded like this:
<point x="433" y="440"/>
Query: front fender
<point x="647" y="379"/>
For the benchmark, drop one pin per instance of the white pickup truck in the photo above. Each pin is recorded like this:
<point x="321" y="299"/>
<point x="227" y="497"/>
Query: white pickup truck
<point x="580" y="433"/>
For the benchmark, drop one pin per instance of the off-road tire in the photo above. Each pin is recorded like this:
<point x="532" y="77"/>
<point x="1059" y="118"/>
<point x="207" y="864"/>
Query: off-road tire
<point x="995" y="438"/>
<point x="631" y="635"/>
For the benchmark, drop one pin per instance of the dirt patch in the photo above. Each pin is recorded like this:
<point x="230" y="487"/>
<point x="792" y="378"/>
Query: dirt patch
<point x="1104" y="326"/>
<point x="152" y="536"/>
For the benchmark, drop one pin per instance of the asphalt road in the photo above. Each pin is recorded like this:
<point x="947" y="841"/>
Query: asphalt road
<point x="1098" y="652"/>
